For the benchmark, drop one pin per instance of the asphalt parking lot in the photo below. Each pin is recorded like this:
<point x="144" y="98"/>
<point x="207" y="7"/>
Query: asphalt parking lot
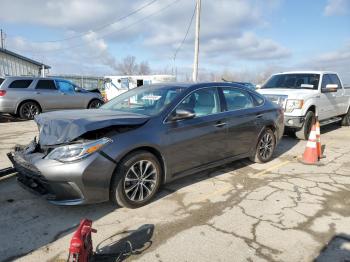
<point x="279" y="211"/>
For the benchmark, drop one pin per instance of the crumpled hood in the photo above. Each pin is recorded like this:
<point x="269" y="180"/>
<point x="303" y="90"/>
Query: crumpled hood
<point x="61" y="127"/>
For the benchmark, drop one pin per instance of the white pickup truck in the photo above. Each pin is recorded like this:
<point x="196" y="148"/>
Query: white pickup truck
<point x="305" y="94"/>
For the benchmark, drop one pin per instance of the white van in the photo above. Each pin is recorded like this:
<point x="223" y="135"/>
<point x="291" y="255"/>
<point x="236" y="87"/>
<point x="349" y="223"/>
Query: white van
<point x="116" y="85"/>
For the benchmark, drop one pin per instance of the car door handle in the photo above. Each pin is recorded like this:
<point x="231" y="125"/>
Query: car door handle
<point x="259" y="116"/>
<point x="220" y="124"/>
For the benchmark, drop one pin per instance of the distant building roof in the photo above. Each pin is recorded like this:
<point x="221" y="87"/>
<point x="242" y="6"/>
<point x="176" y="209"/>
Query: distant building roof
<point x="2" y="50"/>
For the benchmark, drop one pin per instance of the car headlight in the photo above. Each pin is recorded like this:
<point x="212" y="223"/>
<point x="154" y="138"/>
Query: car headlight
<point x="76" y="152"/>
<point x="294" y="104"/>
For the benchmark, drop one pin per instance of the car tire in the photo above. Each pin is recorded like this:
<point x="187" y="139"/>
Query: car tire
<point x="136" y="181"/>
<point x="303" y="133"/>
<point x="265" y="147"/>
<point x="96" y="103"/>
<point x="28" y="110"/>
<point x="346" y="119"/>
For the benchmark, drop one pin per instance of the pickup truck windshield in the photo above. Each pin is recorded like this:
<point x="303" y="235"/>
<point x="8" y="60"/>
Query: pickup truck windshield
<point x="293" y="81"/>
<point x="144" y="100"/>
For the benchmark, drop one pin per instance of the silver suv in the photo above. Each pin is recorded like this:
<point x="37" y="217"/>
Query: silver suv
<point x="28" y="96"/>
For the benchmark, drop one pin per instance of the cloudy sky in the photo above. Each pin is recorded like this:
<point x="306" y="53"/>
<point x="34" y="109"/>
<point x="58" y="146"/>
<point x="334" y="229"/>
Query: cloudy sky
<point x="92" y="36"/>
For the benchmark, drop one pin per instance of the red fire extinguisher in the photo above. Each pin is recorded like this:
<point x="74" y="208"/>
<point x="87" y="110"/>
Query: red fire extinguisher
<point x="80" y="249"/>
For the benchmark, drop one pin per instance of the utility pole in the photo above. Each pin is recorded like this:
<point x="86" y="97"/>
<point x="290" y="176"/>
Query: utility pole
<point x="2" y="37"/>
<point x="196" y="43"/>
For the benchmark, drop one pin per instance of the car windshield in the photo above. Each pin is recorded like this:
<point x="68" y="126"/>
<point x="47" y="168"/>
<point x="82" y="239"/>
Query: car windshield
<point x="148" y="101"/>
<point x="293" y="81"/>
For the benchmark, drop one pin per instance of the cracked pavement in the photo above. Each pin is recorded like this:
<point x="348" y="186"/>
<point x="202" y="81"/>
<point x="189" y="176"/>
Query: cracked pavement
<point x="278" y="211"/>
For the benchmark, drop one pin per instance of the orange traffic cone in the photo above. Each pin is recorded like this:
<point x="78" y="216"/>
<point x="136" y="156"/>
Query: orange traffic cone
<point x="318" y="140"/>
<point x="310" y="155"/>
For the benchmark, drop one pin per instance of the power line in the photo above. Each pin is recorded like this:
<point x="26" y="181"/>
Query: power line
<point x="117" y="31"/>
<point x="187" y="31"/>
<point x="100" y="27"/>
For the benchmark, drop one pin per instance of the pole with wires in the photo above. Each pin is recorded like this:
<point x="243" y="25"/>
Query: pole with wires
<point x="2" y="36"/>
<point x="196" y="43"/>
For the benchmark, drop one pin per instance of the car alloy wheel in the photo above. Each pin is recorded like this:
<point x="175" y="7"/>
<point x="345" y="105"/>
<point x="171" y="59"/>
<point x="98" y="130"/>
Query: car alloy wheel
<point x="136" y="180"/>
<point x="140" y="181"/>
<point x="29" y="110"/>
<point x="95" y="104"/>
<point x="266" y="146"/>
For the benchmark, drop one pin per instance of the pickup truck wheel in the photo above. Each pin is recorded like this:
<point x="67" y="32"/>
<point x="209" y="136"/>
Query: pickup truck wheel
<point x="28" y="110"/>
<point x="136" y="180"/>
<point x="304" y="132"/>
<point x="346" y="119"/>
<point x="265" y="147"/>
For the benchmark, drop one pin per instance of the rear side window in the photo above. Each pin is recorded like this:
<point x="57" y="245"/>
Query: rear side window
<point x="237" y="99"/>
<point x="20" y="84"/>
<point x="65" y="87"/>
<point x="46" y="84"/>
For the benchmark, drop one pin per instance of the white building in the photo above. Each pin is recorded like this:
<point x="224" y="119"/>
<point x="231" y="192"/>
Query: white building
<point x="13" y="64"/>
<point x="116" y="85"/>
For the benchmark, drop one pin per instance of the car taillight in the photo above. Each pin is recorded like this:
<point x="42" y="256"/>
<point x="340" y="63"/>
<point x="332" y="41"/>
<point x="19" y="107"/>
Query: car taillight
<point x="2" y="92"/>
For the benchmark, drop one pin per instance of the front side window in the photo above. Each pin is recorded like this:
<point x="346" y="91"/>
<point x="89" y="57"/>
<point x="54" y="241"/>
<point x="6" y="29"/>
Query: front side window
<point x="237" y="99"/>
<point x="335" y="80"/>
<point x="202" y="102"/>
<point x="147" y="101"/>
<point x="20" y="84"/>
<point x="46" y="84"/>
<point x="65" y="87"/>
<point x="326" y="80"/>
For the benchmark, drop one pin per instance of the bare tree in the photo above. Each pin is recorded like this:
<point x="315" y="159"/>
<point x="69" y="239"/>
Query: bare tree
<point x="144" y="68"/>
<point x="128" y="66"/>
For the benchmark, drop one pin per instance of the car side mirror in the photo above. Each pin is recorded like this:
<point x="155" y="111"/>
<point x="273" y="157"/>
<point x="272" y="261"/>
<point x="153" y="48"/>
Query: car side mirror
<point x="77" y="89"/>
<point x="257" y="86"/>
<point x="181" y="114"/>
<point x="330" y="88"/>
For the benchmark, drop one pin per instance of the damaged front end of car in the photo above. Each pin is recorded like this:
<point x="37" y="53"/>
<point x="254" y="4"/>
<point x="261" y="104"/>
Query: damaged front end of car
<point x="67" y="164"/>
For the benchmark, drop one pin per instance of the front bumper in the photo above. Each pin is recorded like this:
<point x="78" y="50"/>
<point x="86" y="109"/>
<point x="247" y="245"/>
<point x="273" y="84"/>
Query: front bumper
<point x="83" y="182"/>
<point x="294" y="122"/>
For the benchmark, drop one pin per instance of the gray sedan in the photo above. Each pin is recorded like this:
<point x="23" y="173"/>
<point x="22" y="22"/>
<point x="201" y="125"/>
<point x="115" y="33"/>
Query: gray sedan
<point x="28" y="96"/>
<point x="143" y="138"/>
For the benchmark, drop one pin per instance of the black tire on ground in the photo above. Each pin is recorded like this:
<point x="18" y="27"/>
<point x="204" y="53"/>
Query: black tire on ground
<point x="28" y="110"/>
<point x="346" y="119"/>
<point x="265" y="147"/>
<point x="96" y="103"/>
<point x="136" y="180"/>
<point x="304" y="132"/>
<point x="289" y="132"/>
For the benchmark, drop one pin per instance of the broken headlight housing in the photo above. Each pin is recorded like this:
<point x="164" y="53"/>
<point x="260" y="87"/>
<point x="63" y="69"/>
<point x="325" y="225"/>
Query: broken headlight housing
<point x="74" y="152"/>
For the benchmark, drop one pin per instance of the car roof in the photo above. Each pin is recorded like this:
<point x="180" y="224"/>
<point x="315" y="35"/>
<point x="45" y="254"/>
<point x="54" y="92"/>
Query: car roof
<point x="34" y="78"/>
<point x="195" y="85"/>
<point x="306" y="72"/>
